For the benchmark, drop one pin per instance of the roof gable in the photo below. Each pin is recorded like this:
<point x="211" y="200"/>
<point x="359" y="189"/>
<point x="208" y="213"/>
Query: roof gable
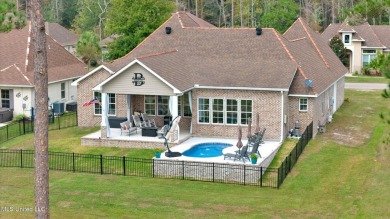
<point x="60" y="34"/>
<point x="17" y="50"/>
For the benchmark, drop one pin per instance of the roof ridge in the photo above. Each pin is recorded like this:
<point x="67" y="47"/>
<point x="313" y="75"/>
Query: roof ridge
<point x="180" y="21"/>
<point x="157" y="54"/>
<point x="297" y="39"/>
<point x="314" y="44"/>
<point x="141" y="42"/>
<point x="18" y="69"/>
<point x="292" y="58"/>
<point x="290" y="27"/>
<point x="28" y="46"/>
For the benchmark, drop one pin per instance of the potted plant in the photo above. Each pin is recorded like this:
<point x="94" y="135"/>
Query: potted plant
<point x="254" y="158"/>
<point x="157" y="153"/>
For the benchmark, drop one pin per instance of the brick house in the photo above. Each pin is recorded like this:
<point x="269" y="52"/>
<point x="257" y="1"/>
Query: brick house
<point x="17" y="72"/>
<point x="363" y="42"/>
<point x="217" y="78"/>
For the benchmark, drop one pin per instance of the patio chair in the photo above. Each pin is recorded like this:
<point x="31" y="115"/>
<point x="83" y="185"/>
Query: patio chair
<point x="137" y="122"/>
<point x="239" y="155"/>
<point x="148" y="122"/>
<point x="127" y="128"/>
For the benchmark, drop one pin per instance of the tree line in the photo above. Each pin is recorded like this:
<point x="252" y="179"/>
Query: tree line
<point x="133" y="20"/>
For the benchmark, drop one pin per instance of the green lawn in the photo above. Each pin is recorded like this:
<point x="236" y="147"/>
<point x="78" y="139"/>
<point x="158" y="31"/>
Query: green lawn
<point x="343" y="173"/>
<point x="366" y="79"/>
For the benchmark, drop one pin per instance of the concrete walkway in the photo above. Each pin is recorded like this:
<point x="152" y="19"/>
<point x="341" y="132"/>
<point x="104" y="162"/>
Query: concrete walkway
<point x="366" y="86"/>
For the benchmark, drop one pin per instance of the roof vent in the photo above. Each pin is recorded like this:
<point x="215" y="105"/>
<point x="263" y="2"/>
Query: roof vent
<point x="168" y="30"/>
<point x="259" y="31"/>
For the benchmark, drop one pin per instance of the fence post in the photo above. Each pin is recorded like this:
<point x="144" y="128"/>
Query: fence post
<point x="24" y="126"/>
<point x="278" y="182"/>
<point x="21" y="158"/>
<point x="244" y="173"/>
<point x="124" y="166"/>
<point x="77" y="119"/>
<point x="7" y="131"/>
<point x="153" y="168"/>
<point x="74" y="168"/>
<point x="213" y="172"/>
<point x="101" y="164"/>
<point x="59" y="125"/>
<point x="182" y="163"/>
<point x="261" y="176"/>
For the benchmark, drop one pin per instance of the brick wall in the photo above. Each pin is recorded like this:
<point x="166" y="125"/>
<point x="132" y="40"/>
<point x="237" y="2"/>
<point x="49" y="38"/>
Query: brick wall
<point x="86" y="117"/>
<point x="267" y="103"/>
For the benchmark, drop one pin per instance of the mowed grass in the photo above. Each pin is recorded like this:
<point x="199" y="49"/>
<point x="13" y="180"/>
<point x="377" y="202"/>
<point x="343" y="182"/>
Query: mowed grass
<point x="336" y="177"/>
<point x="366" y="79"/>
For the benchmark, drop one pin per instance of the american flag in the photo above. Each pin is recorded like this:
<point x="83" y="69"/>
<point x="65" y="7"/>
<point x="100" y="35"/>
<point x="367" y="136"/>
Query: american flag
<point x="91" y="102"/>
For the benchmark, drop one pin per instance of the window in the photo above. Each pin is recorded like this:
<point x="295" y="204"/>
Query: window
<point x="303" y="105"/>
<point x="368" y="56"/>
<point x="246" y="111"/>
<point x="218" y="111"/>
<point x="150" y="105"/>
<point x="163" y="105"/>
<point x="98" y="107"/>
<point x="5" y="99"/>
<point x="111" y="103"/>
<point x="347" y="38"/>
<point x="203" y="110"/>
<point x="62" y="90"/>
<point x="231" y="111"/>
<point x="184" y="109"/>
<point x="186" y="106"/>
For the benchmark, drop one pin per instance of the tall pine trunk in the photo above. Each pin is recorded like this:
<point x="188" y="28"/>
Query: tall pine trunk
<point x="41" y="108"/>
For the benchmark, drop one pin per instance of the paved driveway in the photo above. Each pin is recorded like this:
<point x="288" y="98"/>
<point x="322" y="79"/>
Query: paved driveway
<point x="365" y="86"/>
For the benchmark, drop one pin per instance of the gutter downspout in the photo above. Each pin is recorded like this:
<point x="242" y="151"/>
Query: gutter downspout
<point x="281" y="118"/>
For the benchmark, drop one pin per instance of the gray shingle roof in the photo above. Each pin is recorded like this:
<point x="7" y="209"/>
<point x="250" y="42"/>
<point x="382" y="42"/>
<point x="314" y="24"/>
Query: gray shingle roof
<point x="16" y="59"/>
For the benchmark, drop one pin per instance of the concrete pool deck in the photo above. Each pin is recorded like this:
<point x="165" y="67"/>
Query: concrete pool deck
<point x="267" y="151"/>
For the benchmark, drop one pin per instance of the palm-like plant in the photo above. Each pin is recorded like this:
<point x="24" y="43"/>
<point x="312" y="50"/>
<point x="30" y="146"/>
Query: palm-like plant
<point x="88" y="47"/>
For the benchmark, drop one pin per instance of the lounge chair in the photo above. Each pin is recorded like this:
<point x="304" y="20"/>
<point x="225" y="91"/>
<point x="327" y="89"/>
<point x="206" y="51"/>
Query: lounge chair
<point x="148" y="122"/>
<point x="239" y="155"/>
<point x="257" y="139"/>
<point x="127" y="128"/>
<point x="137" y="122"/>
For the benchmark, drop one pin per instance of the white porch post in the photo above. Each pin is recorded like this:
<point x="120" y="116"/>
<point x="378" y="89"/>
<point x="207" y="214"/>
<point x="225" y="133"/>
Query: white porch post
<point x="128" y="102"/>
<point x="175" y="105"/>
<point x="105" y="126"/>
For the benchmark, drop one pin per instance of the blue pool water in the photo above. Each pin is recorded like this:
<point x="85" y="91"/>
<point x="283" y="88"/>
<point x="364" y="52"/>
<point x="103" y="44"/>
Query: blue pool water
<point x="206" y="150"/>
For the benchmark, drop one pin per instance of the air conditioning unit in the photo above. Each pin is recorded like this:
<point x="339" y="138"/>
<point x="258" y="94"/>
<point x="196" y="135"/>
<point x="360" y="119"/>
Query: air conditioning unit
<point x="58" y="108"/>
<point x="321" y="128"/>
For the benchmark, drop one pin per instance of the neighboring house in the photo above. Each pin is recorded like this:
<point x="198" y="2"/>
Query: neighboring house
<point x="217" y="78"/>
<point x="363" y="42"/>
<point x="17" y="71"/>
<point x="104" y="43"/>
<point x="62" y="36"/>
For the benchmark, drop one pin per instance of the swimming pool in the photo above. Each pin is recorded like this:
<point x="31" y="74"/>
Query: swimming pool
<point x="206" y="150"/>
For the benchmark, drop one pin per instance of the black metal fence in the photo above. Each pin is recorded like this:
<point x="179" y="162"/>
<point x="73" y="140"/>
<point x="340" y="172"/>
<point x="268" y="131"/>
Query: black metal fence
<point x="25" y="126"/>
<point x="241" y="174"/>
<point x="99" y="164"/>
<point x="289" y="162"/>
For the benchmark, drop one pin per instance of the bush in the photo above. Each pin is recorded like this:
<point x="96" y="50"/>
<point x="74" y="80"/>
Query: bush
<point x="20" y="117"/>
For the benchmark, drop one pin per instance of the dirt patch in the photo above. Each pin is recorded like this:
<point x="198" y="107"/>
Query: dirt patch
<point x="144" y="205"/>
<point x="184" y="204"/>
<point x="72" y="193"/>
<point x="352" y="137"/>
<point x="64" y="204"/>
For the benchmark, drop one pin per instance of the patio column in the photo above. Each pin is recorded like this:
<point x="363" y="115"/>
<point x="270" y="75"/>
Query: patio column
<point x="128" y="103"/>
<point x="173" y="106"/>
<point x="105" y="125"/>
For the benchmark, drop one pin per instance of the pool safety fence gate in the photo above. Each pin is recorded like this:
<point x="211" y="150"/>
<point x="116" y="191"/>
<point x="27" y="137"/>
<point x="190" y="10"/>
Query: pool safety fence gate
<point x="289" y="162"/>
<point x="24" y="126"/>
<point x="241" y="174"/>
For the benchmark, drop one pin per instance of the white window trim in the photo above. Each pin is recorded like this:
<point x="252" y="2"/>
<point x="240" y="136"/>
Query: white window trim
<point x="350" y="38"/>
<point x="223" y="111"/>
<point x="239" y="112"/>
<point x="1" y="98"/>
<point x="155" y="105"/>
<point x="307" y="105"/>
<point x="94" y="109"/>
<point x="64" y="90"/>
<point x="198" y="110"/>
